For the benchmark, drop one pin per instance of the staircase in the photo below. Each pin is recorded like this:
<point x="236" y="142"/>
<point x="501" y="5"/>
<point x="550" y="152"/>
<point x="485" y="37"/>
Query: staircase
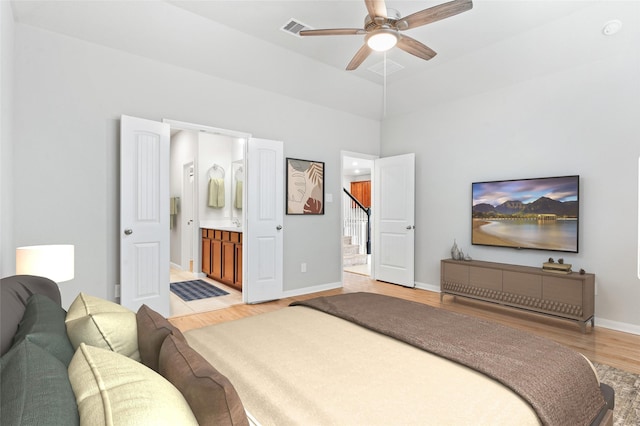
<point x="351" y="253"/>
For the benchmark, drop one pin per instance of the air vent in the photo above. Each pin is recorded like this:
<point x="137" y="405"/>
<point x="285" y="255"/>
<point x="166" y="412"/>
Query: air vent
<point x="294" y="27"/>
<point x="392" y="67"/>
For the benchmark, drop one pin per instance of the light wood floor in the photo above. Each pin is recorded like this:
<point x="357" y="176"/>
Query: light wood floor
<point x="602" y="345"/>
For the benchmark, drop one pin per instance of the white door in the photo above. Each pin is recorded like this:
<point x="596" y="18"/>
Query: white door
<point x="263" y="233"/>
<point x="144" y="214"/>
<point x="394" y="192"/>
<point x="187" y="216"/>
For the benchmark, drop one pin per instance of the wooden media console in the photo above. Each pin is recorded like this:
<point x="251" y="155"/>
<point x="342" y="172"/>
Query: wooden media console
<point x="569" y="296"/>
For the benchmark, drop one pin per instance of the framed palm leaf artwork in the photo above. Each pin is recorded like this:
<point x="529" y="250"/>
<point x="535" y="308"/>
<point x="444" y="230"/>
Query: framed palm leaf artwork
<point x="305" y="186"/>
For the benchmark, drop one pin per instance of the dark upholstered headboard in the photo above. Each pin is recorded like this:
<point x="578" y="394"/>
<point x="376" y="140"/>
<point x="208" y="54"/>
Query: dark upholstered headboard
<point x="14" y="292"/>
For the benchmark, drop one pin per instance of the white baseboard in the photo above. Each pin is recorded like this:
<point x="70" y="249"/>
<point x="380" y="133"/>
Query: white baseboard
<point x="618" y="326"/>
<point x="428" y="287"/>
<point x="314" y="289"/>
<point x="175" y="266"/>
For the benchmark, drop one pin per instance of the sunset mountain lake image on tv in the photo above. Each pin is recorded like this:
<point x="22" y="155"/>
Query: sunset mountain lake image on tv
<point x="540" y="214"/>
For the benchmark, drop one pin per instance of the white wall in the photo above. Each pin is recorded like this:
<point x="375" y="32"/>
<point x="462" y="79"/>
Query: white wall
<point x="7" y="247"/>
<point x="69" y="95"/>
<point x="583" y="120"/>
<point x="218" y="150"/>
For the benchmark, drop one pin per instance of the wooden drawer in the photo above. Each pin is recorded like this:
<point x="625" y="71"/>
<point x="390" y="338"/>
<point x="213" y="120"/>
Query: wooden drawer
<point x="562" y="290"/>
<point x="522" y="284"/>
<point x="217" y="234"/>
<point x="456" y="273"/>
<point x="226" y="236"/>
<point x="235" y="237"/>
<point x="204" y="232"/>
<point x="485" y="278"/>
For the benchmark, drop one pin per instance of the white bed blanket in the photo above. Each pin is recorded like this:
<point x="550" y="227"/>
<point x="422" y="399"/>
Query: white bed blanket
<point x="299" y="366"/>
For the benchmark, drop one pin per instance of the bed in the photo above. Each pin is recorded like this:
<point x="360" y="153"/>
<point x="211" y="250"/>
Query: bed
<point x="369" y="359"/>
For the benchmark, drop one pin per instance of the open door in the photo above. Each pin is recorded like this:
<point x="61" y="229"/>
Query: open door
<point x="263" y="235"/>
<point x="394" y="219"/>
<point x="187" y="214"/>
<point x="144" y="214"/>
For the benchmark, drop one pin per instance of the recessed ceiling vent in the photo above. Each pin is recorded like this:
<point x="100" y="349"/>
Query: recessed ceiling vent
<point x="392" y="67"/>
<point x="294" y="27"/>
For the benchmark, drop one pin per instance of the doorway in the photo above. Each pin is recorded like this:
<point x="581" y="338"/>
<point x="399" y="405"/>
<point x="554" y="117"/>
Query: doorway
<point x="145" y="211"/>
<point x="390" y="225"/>
<point x="194" y="150"/>
<point x="357" y="170"/>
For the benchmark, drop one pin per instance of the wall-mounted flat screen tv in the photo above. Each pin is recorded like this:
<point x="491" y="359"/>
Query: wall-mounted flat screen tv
<point x="540" y="214"/>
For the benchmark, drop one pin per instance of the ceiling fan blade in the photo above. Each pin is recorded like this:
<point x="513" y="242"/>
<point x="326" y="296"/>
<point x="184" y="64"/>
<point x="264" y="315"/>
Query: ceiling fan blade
<point x="416" y="48"/>
<point x="359" y="57"/>
<point x="437" y="13"/>
<point x="376" y="8"/>
<point x="332" y="31"/>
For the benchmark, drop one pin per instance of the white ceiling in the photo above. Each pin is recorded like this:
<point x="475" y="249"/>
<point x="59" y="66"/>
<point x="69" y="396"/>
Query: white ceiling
<point x="498" y="42"/>
<point x="487" y="23"/>
<point x="353" y="166"/>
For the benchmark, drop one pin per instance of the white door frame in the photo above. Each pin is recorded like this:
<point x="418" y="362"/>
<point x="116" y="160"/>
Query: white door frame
<point x="188" y="216"/>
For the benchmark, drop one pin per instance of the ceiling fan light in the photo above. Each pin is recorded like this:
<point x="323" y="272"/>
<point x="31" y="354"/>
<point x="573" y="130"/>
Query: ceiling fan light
<point x="382" y="40"/>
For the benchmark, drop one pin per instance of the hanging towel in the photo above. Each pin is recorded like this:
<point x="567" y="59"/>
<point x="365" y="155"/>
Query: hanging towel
<point x="173" y="205"/>
<point x="173" y="210"/>
<point x="216" y="193"/>
<point x="238" y="201"/>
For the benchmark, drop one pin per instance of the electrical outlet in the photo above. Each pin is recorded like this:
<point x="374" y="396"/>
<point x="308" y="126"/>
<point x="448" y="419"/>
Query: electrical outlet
<point x="303" y="267"/>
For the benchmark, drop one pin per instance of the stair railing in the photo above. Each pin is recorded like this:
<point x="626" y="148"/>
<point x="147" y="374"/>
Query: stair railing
<point x="357" y="222"/>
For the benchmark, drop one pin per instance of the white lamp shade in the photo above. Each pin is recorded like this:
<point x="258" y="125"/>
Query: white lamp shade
<point x="55" y="262"/>
<point x="382" y="40"/>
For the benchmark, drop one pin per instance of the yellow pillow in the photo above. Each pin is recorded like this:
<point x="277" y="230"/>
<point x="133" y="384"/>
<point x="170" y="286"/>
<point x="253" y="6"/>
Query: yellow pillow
<point x="104" y="324"/>
<point x="112" y="389"/>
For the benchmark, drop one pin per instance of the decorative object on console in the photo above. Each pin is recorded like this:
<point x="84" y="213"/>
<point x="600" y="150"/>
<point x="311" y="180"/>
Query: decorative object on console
<point x="55" y="261"/>
<point x="557" y="268"/>
<point x="457" y="254"/>
<point x="305" y="186"/>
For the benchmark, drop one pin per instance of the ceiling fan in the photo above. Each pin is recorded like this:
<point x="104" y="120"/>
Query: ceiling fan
<point x="382" y="29"/>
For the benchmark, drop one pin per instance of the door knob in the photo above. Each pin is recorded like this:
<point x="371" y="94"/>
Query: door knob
<point x="279" y="227"/>
<point x="128" y="231"/>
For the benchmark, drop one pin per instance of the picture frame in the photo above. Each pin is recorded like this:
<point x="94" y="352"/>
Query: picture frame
<point x="305" y="187"/>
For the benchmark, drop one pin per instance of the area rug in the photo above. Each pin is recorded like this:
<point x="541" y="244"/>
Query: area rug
<point x="195" y="290"/>
<point x="627" y="387"/>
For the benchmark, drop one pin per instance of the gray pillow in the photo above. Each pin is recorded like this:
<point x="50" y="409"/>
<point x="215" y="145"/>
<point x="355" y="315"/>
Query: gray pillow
<point x="35" y="388"/>
<point x="43" y="324"/>
<point x="14" y="293"/>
